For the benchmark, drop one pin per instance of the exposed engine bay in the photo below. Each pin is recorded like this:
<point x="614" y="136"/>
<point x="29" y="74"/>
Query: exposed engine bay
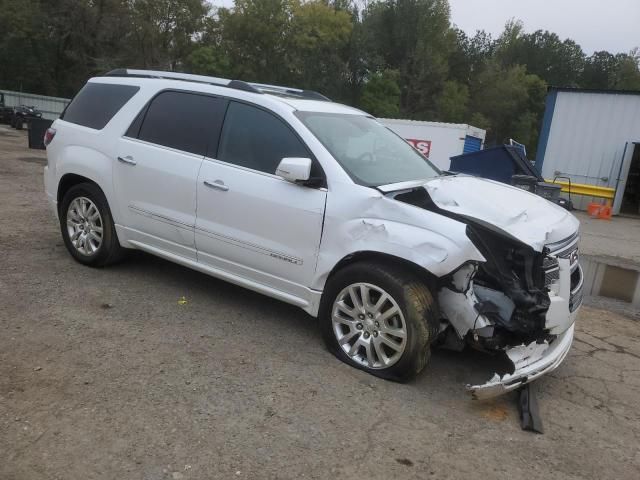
<point x="520" y="302"/>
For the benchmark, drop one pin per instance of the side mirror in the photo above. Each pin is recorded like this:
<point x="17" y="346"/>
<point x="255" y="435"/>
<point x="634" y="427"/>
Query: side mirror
<point x="294" y="169"/>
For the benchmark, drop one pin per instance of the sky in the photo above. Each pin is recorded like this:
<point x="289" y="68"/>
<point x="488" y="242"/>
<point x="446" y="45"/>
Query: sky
<point x="612" y="25"/>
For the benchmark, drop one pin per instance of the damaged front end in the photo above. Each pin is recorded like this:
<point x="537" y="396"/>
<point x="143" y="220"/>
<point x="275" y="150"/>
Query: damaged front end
<point x="520" y="302"/>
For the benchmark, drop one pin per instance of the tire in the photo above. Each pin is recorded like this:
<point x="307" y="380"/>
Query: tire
<point x="407" y="293"/>
<point x="85" y="248"/>
<point x="19" y="123"/>
<point x="12" y="122"/>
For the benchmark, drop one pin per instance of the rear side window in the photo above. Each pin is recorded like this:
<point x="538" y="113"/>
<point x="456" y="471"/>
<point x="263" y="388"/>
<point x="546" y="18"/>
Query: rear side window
<point x="184" y="121"/>
<point x="97" y="103"/>
<point x="256" y="139"/>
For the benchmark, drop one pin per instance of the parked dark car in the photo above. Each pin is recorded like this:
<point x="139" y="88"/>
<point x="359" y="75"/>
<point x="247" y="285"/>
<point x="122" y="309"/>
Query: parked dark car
<point x="5" y="112"/>
<point x="23" y="113"/>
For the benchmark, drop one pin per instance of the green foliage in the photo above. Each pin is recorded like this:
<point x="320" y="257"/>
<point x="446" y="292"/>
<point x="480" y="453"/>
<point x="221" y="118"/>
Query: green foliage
<point x="286" y="41"/>
<point x="627" y="75"/>
<point x="544" y="54"/>
<point x="22" y="52"/>
<point x="381" y="95"/>
<point x="208" y="60"/>
<point x="393" y="58"/>
<point x="452" y="103"/>
<point x="254" y="38"/>
<point x="511" y="101"/>
<point x="414" y="38"/>
<point x="162" y="30"/>
<point x="604" y="70"/>
<point x="470" y="56"/>
<point x="318" y="47"/>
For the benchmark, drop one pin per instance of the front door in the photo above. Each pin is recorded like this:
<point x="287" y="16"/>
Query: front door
<point x="250" y="222"/>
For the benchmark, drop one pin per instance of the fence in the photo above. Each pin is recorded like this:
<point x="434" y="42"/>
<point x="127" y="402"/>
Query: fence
<point x="51" y="107"/>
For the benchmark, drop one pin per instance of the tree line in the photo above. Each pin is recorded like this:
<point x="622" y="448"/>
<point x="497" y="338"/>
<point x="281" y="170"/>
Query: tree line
<point x="393" y="58"/>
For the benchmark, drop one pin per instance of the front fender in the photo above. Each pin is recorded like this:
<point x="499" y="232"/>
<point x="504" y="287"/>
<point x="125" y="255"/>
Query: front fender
<point x="369" y="221"/>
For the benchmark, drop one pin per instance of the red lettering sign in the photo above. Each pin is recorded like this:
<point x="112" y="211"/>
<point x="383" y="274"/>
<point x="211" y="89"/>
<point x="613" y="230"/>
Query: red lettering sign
<point x="423" y="146"/>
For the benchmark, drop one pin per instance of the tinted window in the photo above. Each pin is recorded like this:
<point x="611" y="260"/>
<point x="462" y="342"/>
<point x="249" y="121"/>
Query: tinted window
<point x="134" y="128"/>
<point x="184" y="121"/>
<point x="97" y="103"/>
<point x="256" y="139"/>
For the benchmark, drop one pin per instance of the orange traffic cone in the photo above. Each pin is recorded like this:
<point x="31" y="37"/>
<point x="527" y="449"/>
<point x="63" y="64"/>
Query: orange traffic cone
<point x="605" y="212"/>
<point x="593" y="209"/>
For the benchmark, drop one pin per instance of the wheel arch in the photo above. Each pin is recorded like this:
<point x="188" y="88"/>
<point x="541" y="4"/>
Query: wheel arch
<point x="385" y="258"/>
<point x="69" y="180"/>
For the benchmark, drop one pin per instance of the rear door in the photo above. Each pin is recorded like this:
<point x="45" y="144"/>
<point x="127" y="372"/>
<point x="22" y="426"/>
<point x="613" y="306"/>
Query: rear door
<point x="250" y="222"/>
<point x="157" y="168"/>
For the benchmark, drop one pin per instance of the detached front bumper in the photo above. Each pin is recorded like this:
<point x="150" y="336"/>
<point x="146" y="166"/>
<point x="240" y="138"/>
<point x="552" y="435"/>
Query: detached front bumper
<point x="530" y="362"/>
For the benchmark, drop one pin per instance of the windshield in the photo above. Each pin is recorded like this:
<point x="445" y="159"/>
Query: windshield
<point x="369" y="152"/>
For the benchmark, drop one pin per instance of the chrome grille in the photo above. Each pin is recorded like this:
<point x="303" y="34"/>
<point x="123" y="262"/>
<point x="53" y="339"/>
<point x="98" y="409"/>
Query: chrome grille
<point x="566" y="249"/>
<point x="551" y="270"/>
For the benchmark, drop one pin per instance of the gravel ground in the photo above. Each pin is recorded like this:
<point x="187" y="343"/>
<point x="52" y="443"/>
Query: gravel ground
<point x="105" y="375"/>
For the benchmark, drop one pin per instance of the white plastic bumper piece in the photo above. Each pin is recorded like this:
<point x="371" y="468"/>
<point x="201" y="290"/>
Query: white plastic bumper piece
<point x="530" y="361"/>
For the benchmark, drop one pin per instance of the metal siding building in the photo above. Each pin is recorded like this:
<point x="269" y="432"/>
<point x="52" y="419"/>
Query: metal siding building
<point x="589" y="136"/>
<point x="51" y="107"/>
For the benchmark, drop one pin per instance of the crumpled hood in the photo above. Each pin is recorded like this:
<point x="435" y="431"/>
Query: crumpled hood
<point x="523" y="215"/>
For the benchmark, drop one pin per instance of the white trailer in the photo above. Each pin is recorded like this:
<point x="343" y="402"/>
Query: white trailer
<point x="438" y="141"/>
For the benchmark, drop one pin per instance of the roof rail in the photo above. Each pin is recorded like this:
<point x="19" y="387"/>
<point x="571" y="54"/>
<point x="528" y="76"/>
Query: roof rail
<point x="221" y="82"/>
<point x="127" y="72"/>
<point x="296" y="92"/>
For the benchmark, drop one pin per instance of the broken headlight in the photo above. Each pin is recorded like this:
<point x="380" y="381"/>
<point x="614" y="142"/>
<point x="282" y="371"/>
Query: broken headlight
<point x="515" y="271"/>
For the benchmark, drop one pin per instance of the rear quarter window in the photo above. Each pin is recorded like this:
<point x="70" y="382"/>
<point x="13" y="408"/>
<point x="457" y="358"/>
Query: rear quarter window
<point x="96" y="104"/>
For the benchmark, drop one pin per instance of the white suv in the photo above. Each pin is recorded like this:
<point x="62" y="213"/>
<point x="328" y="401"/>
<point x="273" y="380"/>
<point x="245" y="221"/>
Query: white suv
<point x="283" y="192"/>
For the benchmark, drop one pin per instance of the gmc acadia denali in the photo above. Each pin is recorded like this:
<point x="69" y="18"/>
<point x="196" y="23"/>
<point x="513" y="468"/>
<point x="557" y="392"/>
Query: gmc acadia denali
<point x="284" y="192"/>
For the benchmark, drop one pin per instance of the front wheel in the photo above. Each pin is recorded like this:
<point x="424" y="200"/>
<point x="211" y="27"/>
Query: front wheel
<point x="379" y="318"/>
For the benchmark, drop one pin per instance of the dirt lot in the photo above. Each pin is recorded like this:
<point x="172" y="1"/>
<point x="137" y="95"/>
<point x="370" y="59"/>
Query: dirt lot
<point x="103" y="374"/>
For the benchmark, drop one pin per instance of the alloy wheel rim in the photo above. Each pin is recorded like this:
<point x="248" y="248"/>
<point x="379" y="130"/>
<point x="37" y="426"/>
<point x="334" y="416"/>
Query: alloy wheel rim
<point x="369" y="325"/>
<point x="84" y="226"/>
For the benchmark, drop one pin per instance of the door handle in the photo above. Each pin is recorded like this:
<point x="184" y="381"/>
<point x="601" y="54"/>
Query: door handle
<point x="217" y="184"/>
<point x="128" y="160"/>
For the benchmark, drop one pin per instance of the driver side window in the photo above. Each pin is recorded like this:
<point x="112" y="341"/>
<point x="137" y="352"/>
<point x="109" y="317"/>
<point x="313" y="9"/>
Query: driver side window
<point x="256" y="139"/>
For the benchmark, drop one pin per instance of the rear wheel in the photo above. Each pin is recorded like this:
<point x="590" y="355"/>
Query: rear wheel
<point x="379" y="318"/>
<point x="87" y="226"/>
